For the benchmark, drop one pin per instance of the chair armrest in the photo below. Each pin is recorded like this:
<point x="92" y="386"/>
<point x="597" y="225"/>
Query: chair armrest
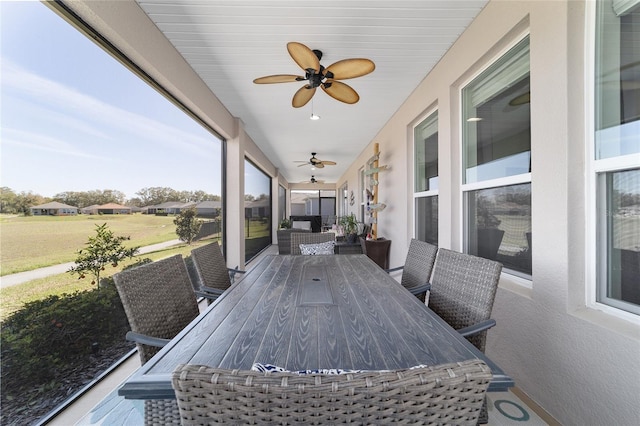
<point x="158" y="342"/>
<point x="399" y="268"/>
<point x="233" y="272"/>
<point x="477" y="328"/>
<point x="419" y="289"/>
<point x="209" y="293"/>
<point x="210" y="290"/>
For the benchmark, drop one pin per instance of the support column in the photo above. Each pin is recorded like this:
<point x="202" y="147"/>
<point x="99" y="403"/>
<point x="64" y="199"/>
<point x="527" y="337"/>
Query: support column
<point x="235" y="198"/>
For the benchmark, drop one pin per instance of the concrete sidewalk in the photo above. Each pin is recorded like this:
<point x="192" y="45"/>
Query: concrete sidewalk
<point x="22" y="277"/>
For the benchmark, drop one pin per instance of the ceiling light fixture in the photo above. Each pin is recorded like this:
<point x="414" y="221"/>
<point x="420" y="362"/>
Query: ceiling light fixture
<point x="313" y="116"/>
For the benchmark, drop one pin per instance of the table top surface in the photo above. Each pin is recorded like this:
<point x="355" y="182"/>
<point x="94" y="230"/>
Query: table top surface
<point x="311" y="312"/>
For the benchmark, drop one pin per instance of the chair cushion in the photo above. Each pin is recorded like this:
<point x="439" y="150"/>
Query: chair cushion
<point x="265" y="368"/>
<point x="270" y="368"/>
<point x="319" y="248"/>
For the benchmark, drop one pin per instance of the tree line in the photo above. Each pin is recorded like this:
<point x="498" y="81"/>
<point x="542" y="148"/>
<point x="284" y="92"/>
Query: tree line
<point x="20" y="202"/>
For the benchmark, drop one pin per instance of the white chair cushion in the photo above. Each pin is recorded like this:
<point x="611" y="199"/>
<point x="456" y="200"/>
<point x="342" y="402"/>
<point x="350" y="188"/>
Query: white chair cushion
<point x="268" y="368"/>
<point x="319" y="248"/>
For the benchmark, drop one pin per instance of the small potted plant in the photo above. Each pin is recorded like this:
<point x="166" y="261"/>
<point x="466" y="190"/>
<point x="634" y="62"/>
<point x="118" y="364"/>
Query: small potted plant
<point x="350" y="226"/>
<point x="285" y="224"/>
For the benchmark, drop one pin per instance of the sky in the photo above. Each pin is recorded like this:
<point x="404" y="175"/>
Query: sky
<point x="72" y="118"/>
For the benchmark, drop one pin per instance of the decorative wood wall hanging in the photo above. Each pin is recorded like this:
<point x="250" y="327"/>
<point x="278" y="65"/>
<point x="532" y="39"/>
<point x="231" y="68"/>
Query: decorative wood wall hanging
<point x="374" y="206"/>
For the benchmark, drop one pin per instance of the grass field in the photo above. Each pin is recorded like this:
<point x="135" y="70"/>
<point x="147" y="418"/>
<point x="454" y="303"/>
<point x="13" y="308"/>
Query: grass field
<point x="14" y="297"/>
<point x="33" y="242"/>
<point x="29" y="243"/>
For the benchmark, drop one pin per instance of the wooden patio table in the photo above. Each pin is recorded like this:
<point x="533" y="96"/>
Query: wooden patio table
<point x="311" y="312"/>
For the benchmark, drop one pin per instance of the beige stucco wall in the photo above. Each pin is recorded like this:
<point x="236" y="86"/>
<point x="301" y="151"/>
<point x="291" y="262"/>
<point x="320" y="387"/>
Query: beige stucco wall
<point x="580" y="364"/>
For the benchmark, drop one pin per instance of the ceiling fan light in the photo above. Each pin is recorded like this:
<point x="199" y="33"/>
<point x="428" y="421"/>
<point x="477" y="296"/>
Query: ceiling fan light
<point x="314" y="117"/>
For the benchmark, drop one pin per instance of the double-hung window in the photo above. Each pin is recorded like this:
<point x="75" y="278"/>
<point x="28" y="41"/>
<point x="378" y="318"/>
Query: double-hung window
<point x="425" y="186"/>
<point x="496" y="162"/>
<point x="616" y="154"/>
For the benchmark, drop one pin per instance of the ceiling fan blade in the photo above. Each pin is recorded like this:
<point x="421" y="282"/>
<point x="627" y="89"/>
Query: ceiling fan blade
<point x="302" y="96"/>
<point x="303" y="56"/>
<point x="305" y="164"/>
<point x="319" y="165"/>
<point x="279" y="78"/>
<point x="350" y="68"/>
<point x="328" y="163"/>
<point x="342" y="92"/>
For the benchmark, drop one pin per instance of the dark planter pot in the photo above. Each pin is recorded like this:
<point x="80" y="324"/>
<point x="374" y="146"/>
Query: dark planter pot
<point x="352" y="238"/>
<point x="489" y="241"/>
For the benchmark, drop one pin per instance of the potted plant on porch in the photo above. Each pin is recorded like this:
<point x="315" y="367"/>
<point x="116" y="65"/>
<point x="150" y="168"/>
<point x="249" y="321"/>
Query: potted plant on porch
<point x="350" y="226"/>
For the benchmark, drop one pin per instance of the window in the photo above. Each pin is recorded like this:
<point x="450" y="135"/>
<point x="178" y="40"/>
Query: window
<point x="257" y="210"/>
<point x="616" y="163"/>
<point x="425" y="169"/>
<point x="344" y="199"/>
<point x="496" y="162"/>
<point x="282" y="203"/>
<point x="315" y="203"/>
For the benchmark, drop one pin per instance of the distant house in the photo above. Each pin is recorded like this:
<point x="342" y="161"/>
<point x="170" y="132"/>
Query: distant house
<point x="113" y="208"/>
<point x="169" y="207"/>
<point x="54" y="208"/>
<point x="257" y="209"/>
<point x="93" y="209"/>
<point x="209" y="208"/>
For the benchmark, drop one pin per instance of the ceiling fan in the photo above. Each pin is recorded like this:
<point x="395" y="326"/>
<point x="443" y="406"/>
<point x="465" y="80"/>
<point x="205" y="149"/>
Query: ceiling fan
<point x="313" y="180"/>
<point x="316" y="162"/>
<point x="317" y="75"/>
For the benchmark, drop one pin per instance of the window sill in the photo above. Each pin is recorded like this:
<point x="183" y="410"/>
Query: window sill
<point x="517" y="285"/>
<point x="624" y="323"/>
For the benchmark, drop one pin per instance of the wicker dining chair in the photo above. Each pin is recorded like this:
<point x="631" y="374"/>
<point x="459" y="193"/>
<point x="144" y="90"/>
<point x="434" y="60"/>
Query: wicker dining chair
<point x="417" y="267"/>
<point x="298" y="238"/>
<point x="442" y="394"/>
<point x="284" y="239"/>
<point x="159" y="301"/>
<point x="211" y="269"/>
<point x="463" y="288"/>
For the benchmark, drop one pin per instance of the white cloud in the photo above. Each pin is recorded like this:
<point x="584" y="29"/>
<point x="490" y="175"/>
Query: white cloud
<point x="79" y="107"/>
<point x="41" y="142"/>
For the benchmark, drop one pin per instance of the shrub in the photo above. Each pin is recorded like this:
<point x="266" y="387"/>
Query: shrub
<point x="187" y="225"/>
<point x="103" y="249"/>
<point x="42" y="341"/>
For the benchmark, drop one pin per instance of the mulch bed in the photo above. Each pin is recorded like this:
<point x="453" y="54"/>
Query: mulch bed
<point x="29" y="407"/>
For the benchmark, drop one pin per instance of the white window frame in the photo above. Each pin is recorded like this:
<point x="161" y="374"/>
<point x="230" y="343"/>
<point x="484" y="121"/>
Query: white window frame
<point x="514" y="276"/>
<point x="431" y="192"/>
<point x="595" y="168"/>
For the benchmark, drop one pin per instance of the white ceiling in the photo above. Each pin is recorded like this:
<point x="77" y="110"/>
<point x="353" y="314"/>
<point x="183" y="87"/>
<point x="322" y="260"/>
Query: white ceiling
<point x="231" y="42"/>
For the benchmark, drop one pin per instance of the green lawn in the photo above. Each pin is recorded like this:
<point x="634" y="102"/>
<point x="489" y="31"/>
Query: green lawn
<point x="14" y="297"/>
<point x="33" y="242"/>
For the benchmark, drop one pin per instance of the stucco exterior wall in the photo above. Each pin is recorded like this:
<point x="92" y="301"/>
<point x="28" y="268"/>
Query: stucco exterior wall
<point x="581" y="364"/>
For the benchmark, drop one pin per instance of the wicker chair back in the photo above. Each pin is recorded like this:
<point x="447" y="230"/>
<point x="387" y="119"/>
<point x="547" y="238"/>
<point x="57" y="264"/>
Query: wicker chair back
<point x="463" y="288"/>
<point x="443" y="394"/>
<point x="158" y="299"/>
<point x="298" y="238"/>
<point x="211" y="267"/>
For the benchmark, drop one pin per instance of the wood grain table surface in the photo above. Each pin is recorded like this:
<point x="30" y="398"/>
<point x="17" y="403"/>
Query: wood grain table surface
<point x="311" y="312"/>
